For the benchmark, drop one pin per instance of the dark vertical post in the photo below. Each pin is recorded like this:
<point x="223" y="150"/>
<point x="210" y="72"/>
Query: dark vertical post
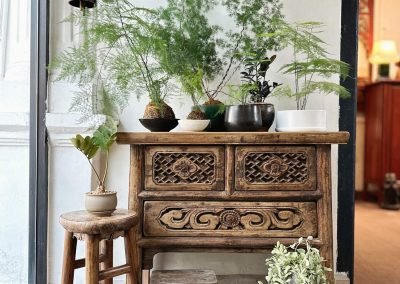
<point x="347" y="122"/>
<point x="38" y="192"/>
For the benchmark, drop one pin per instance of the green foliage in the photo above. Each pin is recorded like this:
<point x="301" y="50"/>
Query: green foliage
<point x="192" y="55"/>
<point x="116" y="58"/>
<point x="295" y="264"/>
<point x="256" y="66"/>
<point x="197" y="51"/>
<point x="85" y="145"/>
<point x="241" y="94"/>
<point x="252" y="18"/>
<point x="310" y="61"/>
<point x="102" y="139"/>
<point x="130" y="49"/>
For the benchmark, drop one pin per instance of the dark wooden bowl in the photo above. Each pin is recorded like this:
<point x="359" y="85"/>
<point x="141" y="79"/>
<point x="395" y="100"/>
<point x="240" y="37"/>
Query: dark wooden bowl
<point x="159" y="124"/>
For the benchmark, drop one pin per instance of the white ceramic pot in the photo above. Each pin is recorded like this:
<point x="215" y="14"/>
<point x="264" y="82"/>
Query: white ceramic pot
<point x="101" y="204"/>
<point x="301" y="120"/>
<point x="193" y="124"/>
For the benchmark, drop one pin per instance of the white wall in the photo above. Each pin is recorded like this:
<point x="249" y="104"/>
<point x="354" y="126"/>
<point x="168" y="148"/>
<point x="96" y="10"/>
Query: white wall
<point x="67" y="185"/>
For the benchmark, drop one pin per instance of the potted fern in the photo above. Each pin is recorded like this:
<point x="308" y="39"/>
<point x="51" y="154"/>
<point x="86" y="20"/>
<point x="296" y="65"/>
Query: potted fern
<point x="101" y="202"/>
<point x="311" y="68"/>
<point x="119" y="56"/>
<point x="299" y="263"/>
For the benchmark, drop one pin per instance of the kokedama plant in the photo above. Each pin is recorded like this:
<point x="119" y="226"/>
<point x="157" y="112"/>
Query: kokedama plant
<point x="310" y="62"/>
<point x="296" y="264"/>
<point x="102" y="140"/>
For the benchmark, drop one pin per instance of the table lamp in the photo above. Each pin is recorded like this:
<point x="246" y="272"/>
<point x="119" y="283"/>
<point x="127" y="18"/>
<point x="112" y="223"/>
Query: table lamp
<point x="383" y="53"/>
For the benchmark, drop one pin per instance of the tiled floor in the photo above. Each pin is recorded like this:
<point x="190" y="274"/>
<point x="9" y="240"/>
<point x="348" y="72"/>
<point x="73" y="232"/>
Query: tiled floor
<point x="377" y="245"/>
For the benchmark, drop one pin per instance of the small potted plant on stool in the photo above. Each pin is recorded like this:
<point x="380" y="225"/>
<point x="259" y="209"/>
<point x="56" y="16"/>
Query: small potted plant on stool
<point x="100" y="201"/>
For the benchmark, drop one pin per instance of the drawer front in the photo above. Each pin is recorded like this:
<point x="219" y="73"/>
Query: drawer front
<point x="240" y="219"/>
<point x="275" y="168"/>
<point x="184" y="168"/>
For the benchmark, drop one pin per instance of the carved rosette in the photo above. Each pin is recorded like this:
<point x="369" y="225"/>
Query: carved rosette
<point x="230" y="218"/>
<point x="184" y="168"/>
<point x="275" y="167"/>
<point x="216" y="219"/>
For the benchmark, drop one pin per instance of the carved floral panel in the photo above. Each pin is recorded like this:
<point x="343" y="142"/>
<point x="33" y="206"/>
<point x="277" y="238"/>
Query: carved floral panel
<point x="267" y="167"/>
<point x="216" y="218"/>
<point x="182" y="168"/>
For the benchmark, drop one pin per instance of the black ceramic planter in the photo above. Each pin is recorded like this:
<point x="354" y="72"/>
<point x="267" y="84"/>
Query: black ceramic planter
<point x="267" y="114"/>
<point x="243" y="118"/>
<point x="159" y="124"/>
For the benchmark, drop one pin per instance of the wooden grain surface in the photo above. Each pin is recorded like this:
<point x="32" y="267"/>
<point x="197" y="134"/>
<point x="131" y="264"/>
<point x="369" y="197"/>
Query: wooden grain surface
<point x="289" y="192"/>
<point x="241" y="219"/>
<point x="203" y="138"/>
<point x="85" y="223"/>
<point x="166" y="167"/>
<point x="276" y="168"/>
<point x="183" y="277"/>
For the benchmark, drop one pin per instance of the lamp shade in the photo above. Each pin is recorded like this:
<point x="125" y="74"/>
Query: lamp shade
<point x="384" y="52"/>
<point x="83" y="3"/>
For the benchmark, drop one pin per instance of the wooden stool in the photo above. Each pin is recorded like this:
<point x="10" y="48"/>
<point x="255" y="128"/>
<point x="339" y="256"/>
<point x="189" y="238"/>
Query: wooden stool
<point x="183" y="277"/>
<point x="92" y="229"/>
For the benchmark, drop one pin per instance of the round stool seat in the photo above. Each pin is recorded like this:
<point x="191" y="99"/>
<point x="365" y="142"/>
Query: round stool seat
<point x="85" y="223"/>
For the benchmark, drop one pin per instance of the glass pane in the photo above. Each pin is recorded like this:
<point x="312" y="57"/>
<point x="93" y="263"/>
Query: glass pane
<point x="14" y="139"/>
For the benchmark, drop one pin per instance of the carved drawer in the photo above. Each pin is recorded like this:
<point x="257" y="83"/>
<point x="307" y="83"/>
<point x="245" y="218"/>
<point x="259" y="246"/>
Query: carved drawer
<point x="240" y="219"/>
<point x="191" y="168"/>
<point x="275" y="168"/>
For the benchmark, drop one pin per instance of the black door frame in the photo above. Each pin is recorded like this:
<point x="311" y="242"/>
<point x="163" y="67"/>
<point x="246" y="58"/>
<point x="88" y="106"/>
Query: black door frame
<point x="347" y="122"/>
<point x="38" y="149"/>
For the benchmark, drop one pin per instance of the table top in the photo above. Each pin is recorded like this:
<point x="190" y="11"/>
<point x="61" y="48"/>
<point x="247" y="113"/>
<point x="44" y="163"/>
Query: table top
<point x="204" y="138"/>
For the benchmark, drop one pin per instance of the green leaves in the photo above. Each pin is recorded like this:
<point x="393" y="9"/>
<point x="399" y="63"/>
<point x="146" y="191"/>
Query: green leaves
<point x="296" y="263"/>
<point x="310" y="61"/>
<point x="105" y="136"/>
<point x="86" y="145"/>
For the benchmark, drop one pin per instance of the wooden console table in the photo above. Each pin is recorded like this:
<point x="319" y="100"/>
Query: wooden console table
<point x="231" y="192"/>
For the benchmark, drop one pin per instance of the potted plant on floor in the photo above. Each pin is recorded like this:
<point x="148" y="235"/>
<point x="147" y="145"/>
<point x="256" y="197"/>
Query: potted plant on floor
<point x="310" y="67"/>
<point x="100" y="201"/>
<point x="296" y="264"/>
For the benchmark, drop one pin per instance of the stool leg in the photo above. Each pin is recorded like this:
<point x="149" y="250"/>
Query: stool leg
<point x="132" y="257"/>
<point x="106" y="248"/>
<point x="146" y="276"/>
<point x="68" y="258"/>
<point x="92" y="259"/>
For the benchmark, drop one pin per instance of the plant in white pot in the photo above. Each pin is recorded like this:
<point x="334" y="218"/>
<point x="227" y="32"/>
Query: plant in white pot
<point x="299" y="263"/>
<point x="312" y="70"/>
<point x="100" y="201"/>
